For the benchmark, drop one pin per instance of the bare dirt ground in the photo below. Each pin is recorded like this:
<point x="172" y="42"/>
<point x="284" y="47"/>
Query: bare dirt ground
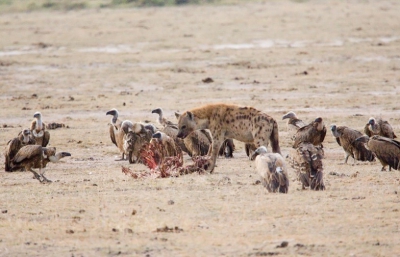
<point x="334" y="59"/>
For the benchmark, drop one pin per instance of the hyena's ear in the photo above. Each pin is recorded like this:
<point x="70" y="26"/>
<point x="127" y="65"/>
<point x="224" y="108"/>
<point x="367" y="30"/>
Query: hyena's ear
<point x="190" y="115"/>
<point x="177" y="115"/>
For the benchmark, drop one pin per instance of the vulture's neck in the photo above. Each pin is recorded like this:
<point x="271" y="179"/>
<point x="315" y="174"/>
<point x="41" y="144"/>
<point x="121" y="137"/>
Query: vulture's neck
<point x="26" y="139"/>
<point x="114" y="118"/>
<point x="39" y="124"/>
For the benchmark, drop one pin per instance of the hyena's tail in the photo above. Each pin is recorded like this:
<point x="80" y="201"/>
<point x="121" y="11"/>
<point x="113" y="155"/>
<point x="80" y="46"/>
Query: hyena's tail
<point x="274" y="138"/>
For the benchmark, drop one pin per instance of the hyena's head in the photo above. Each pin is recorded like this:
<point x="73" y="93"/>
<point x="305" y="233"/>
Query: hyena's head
<point x="186" y="124"/>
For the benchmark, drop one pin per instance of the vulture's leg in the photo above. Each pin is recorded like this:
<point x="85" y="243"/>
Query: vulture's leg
<point x="35" y="175"/>
<point x="44" y="178"/>
<point x="346" y="158"/>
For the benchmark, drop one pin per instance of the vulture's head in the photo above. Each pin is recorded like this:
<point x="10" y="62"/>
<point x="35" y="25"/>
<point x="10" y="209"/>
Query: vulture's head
<point x="258" y="151"/>
<point x="37" y="115"/>
<point x="159" y="136"/>
<point x="151" y="128"/>
<point x="127" y="126"/>
<point x="335" y="133"/>
<point x="26" y="132"/>
<point x="289" y="115"/>
<point x="112" y="112"/>
<point x="158" y="111"/>
<point x="186" y="124"/>
<point x="372" y="121"/>
<point x="319" y="123"/>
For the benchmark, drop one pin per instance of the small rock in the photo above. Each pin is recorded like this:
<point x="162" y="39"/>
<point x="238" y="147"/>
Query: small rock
<point x="134" y="212"/>
<point x="170" y="202"/>
<point x="81" y="211"/>
<point x="114" y="230"/>
<point x="95" y="185"/>
<point x="69" y="231"/>
<point x="4" y="211"/>
<point x="128" y="230"/>
<point x="208" y="80"/>
<point x="283" y="244"/>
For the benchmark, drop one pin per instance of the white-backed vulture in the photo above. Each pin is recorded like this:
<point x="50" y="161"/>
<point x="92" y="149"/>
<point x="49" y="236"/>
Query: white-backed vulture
<point x="36" y="156"/>
<point x="379" y="127"/>
<point x="135" y="139"/>
<point x="114" y="126"/>
<point x="386" y="150"/>
<point x="346" y="138"/>
<point x="306" y="159"/>
<point x="38" y="130"/>
<point x="293" y="123"/>
<point x="13" y="146"/>
<point x="272" y="170"/>
<point x="118" y="136"/>
<point x="313" y="133"/>
<point x="169" y="147"/>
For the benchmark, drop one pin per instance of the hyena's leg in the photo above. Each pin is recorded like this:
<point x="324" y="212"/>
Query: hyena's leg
<point x="216" y="145"/>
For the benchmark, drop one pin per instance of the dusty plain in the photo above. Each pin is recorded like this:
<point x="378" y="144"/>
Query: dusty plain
<point x="336" y="59"/>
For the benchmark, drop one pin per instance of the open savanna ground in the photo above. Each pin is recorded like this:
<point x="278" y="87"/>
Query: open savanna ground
<point x="336" y="59"/>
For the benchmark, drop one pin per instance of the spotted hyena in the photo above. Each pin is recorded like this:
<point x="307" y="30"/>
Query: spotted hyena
<point x="245" y="124"/>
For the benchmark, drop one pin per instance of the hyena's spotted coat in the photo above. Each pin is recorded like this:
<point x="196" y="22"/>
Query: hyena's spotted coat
<point x="245" y="124"/>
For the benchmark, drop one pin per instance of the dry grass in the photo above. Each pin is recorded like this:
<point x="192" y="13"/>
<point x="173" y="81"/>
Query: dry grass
<point x="75" y="66"/>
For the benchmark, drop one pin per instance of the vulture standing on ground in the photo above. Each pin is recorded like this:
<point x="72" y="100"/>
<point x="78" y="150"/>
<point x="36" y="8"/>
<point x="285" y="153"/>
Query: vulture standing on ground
<point x="293" y="123"/>
<point x="36" y="156"/>
<point x="379" y="127"/>
<point x="13" y="146"/>
<point x="313" y="133"/>
<point x="117" y="137"/>
<point x="168" y="146"/>
<point x="135" y="139"/>
<point x="272" y="169"/>
<point x="346" y="137"/>
<point x="39" y="132"/>
<point x="306" y="159"/>
<point x="387" y="150"/>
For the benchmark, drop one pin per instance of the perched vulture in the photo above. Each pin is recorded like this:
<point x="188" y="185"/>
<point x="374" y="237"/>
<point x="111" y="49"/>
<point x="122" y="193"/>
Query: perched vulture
<point x="169" y="147"/>
<point x="135" y="139"/>
<point x="346" y="137"/>
<point x="293" y="123"/>
<point x="36" y="156"/>
<point x="306" y="159"/>
<point x="387" y="150"/>
<point x="13" y="146"/>
<point x="313" y="133"/>
<point x="272" y="169"/>
<point x="117" y="136"/>
<point x="38" y="129"/>
<point x="379" y="127"/>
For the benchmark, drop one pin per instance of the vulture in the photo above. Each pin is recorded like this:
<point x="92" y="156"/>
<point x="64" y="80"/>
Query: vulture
<point x="38" y="129"/>
<point x="313" y="133"/>
<point x="293" y="123"/>
<point x="227" y="148"/>
<point x="13" y="146"/>
<point x="346" y="138"/>
<point x="306" y="159"/>
<point x="386" y="150"/>
<point x="168" y="146"/>
<point x="135" y="139"/>
<point x="379" y="127"/>
<point x="117" y="136"/>
<point x="272" y="169"/>
<point x="36" y="156"/>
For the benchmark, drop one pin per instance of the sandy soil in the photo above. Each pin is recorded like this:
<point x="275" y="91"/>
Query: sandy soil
<point x="335" y="59"/>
